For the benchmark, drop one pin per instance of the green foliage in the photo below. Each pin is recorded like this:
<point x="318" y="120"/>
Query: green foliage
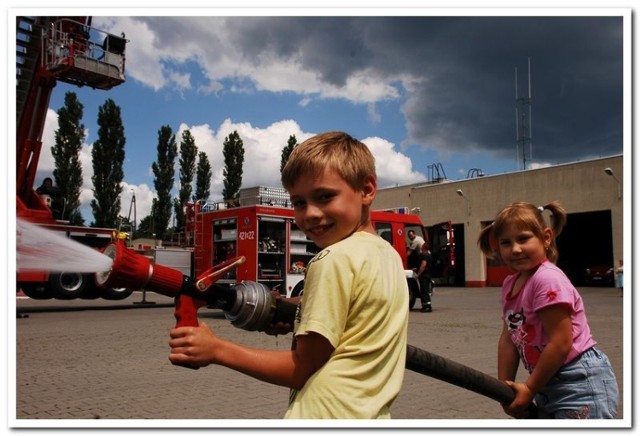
<point x="203" y="177"/>
<point x="66" y="154"/>
<point x="286" y="151"/>
<point x="188" y="152"/>
<point x="233" y="151"/>
<point x="164" y="172"/>
<point x="107" y="156"/>
<point x="145" y="228"/>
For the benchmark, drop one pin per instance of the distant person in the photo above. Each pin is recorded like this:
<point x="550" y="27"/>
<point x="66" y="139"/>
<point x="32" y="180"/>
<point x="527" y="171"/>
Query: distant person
<point x="413" y="250"/>
<point x="347" y="359"/>
<point x="51" y="195"/>
<point x="46" y="188"/>
<point x="619" y="276"/>
<point x="545" y="325"/>
<point x="424" y="278"/>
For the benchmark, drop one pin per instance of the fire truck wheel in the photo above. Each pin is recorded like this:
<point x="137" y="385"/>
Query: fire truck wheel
<point x="36" y="291"/>
<point x="68" y="286"/>
<point x="116" y="293"/>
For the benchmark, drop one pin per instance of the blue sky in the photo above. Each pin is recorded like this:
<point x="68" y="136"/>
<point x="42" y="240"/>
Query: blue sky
<point x="418" y="88"/>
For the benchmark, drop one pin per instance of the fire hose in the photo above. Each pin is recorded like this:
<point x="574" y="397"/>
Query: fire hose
<point x="251" y="306"/>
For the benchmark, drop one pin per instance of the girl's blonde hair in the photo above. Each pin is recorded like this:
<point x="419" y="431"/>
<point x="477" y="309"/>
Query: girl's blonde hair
<point x="338" y="151"/>
<point x="524" y="216"/>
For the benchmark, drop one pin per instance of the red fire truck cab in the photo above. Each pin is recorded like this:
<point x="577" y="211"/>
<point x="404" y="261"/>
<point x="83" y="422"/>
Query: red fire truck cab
<point x="276" y="250"/>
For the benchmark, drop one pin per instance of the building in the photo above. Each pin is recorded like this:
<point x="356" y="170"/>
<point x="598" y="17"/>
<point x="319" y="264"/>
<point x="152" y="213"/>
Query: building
<point x="592" y="197"/>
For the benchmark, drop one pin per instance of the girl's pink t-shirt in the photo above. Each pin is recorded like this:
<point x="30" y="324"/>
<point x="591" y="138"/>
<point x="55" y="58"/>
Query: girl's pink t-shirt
<point x="546" y="287"/>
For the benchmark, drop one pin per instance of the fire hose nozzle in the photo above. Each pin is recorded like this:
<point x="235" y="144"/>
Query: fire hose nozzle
<point x="132" y="270"/>
<point x="213" y="274"/>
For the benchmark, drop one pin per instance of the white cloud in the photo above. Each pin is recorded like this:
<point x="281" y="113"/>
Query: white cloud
<point x="392" y="167"/>
<point x="143" y="61"/>
<point x="143" y="200"/>
<point x="155" y="48"/>
<point x="263" y="151"/>
<point x="46" y="163"/>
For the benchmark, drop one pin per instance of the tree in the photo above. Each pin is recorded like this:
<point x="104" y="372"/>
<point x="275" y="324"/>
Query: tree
<point x="188" y="152"/>
<point x="203" y="177"/>
<point x="286" y="151"/>
<point x="164" y="172"/>
<point x="145" y="227"/>
<point x="233" y="151"/>
<point x="66" y="155"/>
<point x="107" y="157"/>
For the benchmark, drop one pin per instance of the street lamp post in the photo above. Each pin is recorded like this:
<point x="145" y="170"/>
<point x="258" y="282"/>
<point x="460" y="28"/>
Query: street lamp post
<point x="461" y="194"/>
<point x="610" y="172"/>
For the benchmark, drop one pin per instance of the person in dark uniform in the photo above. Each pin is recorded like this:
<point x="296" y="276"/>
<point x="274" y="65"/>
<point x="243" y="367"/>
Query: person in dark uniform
<point x="51" y="195"/>
<point x="424" y="277"/>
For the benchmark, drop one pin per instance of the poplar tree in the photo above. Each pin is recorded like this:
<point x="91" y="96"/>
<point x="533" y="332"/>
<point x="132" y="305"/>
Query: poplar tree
<point x="107" y="157"/>
<point x="203" y="177"/>
<point x="188" y="152"/>
<point x="286" y="151"/>
<point x="67" y="171"/>
<point x="233" y="151"/>
<point x="164" y="172"/>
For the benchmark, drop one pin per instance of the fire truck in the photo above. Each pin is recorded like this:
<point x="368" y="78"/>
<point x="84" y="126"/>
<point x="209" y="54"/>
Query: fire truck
<point x="277" y="252"/>
<point x="48" y="50"/>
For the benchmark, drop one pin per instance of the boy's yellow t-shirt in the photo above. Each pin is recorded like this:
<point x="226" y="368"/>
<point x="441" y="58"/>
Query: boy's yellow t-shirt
<point x="356" y="296"/>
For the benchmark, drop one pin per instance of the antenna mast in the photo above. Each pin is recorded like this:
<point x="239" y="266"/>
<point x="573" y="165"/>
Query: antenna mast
<point x="523" y="121"/>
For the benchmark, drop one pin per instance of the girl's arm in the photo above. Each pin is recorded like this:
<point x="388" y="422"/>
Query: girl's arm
<point x="508" y="361"/>
<point x="556" y="322"/>
<point x="199" y="346"/>
<point x="508" y="357"/>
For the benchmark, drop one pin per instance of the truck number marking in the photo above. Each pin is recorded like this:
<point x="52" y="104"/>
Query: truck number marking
<point x="247" y="236"/>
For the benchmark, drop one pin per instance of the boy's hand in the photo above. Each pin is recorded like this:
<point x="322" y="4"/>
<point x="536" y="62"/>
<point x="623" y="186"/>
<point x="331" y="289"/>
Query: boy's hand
<point x="192" y="345"/>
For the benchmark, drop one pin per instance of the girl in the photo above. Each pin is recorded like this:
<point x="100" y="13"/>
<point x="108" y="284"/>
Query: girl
<point x="545" y="324"/>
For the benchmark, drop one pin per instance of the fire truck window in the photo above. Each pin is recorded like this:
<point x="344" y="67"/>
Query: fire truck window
<point x="384" y="231"/>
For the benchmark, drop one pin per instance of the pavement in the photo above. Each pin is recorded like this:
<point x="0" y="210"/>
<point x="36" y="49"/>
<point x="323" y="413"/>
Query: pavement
<point x="85" y="360"/>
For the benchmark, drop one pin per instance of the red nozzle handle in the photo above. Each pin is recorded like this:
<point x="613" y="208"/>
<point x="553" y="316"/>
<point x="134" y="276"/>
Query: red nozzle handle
<point x="186" y="314"/>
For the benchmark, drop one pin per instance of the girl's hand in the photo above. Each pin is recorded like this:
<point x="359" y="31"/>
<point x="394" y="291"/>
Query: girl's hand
<point x="519" y="407"/>
<point x="194" y="346"/>
<point x="281" y="328"/>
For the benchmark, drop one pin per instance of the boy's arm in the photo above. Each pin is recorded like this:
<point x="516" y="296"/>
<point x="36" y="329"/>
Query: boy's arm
<point x="199" y="346"/>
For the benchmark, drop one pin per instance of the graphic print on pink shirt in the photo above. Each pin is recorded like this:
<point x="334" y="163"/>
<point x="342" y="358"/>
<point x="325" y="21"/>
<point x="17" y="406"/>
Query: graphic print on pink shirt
<point x="522" y="334"/>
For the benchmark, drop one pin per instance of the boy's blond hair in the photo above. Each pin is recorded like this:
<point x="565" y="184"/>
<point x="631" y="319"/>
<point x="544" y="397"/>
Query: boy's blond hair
<point x="338" y="151"/>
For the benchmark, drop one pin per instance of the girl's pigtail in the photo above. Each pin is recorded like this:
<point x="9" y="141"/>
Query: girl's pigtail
<point x="558" y="217"/>
<point x="558" y="221"/>
<point x="484" y="242"/>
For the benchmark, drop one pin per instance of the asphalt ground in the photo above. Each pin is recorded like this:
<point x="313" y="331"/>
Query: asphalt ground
<point x="97" y="363"/>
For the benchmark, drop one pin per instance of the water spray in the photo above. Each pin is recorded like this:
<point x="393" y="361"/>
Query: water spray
<point x="41" y="249"/>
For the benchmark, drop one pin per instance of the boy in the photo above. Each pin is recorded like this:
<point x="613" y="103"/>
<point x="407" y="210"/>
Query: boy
<point x="348" y="354"/>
